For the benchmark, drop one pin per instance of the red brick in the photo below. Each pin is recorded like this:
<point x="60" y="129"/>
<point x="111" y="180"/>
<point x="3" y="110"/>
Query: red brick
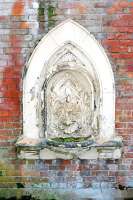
<point x="66" y="162"/>
<point x="119" y="36"/>
<point x="129" y="155"/>
<point x="14" y="50"/>
<point x="120" y="23"/>
<point x="130" y="68"/>
<point x="121" y="125"/>
<point x="7" y="137"/>
<point x="18" y="8"/>
<point x="122" y="55"/>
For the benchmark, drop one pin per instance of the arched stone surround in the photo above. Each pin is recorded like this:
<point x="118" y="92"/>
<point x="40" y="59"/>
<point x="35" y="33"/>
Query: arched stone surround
<point x="69" y="47"/>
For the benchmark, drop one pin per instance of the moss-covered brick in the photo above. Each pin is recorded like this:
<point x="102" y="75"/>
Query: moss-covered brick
<point x="2" y="172"/>
<point x="41" y="10"/>
<point x="51" y="11"/>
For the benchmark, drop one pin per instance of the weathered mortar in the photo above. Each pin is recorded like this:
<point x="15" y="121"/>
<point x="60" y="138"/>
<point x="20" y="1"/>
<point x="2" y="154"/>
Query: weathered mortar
<point x="22" y="24"/>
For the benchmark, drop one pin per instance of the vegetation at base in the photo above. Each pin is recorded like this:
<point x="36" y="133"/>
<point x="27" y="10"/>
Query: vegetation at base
<point x="2" y="173"/>
<point x="70" y="139"/>
<point x="29" y="197"/>
<point x="26" y="198"/>
<point x="20" y="185"/>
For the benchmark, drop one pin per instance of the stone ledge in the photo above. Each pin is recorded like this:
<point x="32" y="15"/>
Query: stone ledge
<point x="40" y="149"/>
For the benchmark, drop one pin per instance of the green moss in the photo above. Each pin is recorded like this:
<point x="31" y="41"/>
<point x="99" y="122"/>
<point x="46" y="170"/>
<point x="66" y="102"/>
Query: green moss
<point x="20" y="185"/>
<point x="2" y="173"/>
<point x="51" y="11"/>
<point x="70" y="139"/>
<point x="51" y="14"/>
<point x="41" y="10"/>
<point x="34" y="194"/>
<point x="6" y="169"/>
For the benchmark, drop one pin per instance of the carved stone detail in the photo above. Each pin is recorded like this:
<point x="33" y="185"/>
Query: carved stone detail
<point x="68" y="93"/>
<point x="69" y="100"/>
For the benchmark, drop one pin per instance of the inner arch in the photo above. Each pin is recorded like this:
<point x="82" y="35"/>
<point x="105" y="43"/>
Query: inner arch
<point x="70" y="102"/>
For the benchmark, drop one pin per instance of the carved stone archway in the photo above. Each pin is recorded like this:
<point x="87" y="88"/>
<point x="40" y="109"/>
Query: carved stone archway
<point x="68" y="66"/>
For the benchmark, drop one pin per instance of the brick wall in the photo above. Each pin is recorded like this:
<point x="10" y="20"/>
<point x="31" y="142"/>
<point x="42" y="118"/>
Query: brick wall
<point x="22" y="24"/>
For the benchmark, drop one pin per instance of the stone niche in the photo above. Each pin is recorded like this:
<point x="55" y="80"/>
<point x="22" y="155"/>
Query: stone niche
<point x="69" y="99"/>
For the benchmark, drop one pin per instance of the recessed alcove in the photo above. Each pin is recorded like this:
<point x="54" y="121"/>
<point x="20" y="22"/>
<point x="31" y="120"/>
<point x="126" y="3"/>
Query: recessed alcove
<point x="69" y="98"/>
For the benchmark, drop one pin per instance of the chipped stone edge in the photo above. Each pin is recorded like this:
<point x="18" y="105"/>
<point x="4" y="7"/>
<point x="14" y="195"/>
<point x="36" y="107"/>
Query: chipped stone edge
<point x="28" y="148"/>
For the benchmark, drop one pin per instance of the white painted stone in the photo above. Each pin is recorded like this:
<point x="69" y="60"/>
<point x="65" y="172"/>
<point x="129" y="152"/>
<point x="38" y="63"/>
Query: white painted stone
<point x="67" y="154"/>
<point x="73" y="33"/>
<point x="88" y="154"/>
<point x="28" y="155"/>
<point x="68" y="48"/>
<point x="48" y="155"/>
<point x="35" y="5"/>
<point x="117" y="153"/>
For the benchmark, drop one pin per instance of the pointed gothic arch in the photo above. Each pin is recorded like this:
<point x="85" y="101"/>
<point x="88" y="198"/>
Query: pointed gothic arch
<point x="69" y="38"/>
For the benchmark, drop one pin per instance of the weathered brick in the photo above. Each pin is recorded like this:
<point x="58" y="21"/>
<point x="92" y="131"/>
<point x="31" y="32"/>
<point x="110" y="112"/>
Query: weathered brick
<point x="111" y="23"/>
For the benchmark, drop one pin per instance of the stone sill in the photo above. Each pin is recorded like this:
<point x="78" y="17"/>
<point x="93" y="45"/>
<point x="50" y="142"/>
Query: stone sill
<point x="39" y="149"/>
